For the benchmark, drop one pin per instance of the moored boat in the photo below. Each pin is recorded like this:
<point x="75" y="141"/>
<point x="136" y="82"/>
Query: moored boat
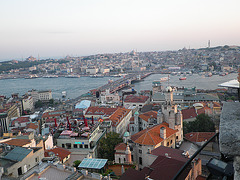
<point x="182" y="78"/>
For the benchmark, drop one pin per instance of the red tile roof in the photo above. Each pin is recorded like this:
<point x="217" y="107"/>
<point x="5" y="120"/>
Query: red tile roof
<point x="120" y="147"/>
<point x="152" y="136"/>
<point x="20" y="120"/>
<point x="58" y="151"/>
<point x="136" y="99"/>
<point x="148" y="115"/>
<point x="204" y="110"/>
<point x="32" y="126"/>
<point x="189" y="113"/>
<point x="95" y="110"/>
<point x="53" y="114"/>
<point x="118" y="115"/>
<point x="17" y="142"/>
<point x="199" y="136"/>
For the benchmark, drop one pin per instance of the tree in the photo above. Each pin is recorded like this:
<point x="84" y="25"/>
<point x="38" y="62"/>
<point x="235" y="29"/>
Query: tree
<point x="107" y="145"/>
<point x="38" y="104"/>
<point x="76" y="163"/>
<point x="203" y="123"/>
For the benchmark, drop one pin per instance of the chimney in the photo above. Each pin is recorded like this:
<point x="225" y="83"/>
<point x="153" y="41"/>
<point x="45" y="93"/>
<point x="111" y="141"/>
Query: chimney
<point x="163" y="133"/>
<point x="85" y="121"/>
<point x="149" y="151"/>
<point x="55" y="120"/>
<point x="69" y="125"/>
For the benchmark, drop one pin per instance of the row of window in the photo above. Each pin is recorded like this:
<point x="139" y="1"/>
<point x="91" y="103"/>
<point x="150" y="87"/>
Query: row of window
<point x="68" y="146"/>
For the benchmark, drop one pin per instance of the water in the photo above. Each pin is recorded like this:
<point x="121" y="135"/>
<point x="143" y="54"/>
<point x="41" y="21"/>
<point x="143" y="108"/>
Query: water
<point x="77" y="86"/>
<point x="195" y="80"/>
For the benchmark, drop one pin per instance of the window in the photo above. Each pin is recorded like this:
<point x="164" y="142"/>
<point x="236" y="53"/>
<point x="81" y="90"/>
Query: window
<point x="171" y="141"/>
<point x="140" y="160"/>
<point x="167" y="143"/>
<point x="133" y="129"/>
<point x="176" y="137"/>
<point x="140" y="151"/>
<point x="36" y="159"/>
<point x="63" y="145"/>
<point x="86" y="146"/>
<point x="75" y="146"/>
<point x="81" y="146"/>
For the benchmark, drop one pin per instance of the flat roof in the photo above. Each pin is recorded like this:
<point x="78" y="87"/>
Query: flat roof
<point x="232" y="84"/>
<point x="93" y="163"/>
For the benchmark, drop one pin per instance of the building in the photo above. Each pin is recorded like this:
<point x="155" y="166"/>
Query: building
<point x="120" y="120"/>
<point x="149" y="139"/>
<point x="99" y="112"/>
<point x="41" y="95"/>
<point x="107" y="98"/>
<point x="84" y="142"/>
<point x="136" y="101"/>
<point x="62" y="153"/>
<point x="142" y="121"/>
<point x="27" y="103"/>
<point x="122" y="154"/>
<point x="19" y="160"/>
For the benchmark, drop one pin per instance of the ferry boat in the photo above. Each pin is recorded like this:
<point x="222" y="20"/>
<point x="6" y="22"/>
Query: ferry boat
<point x="50" y="76"/>
<point x="96" y="76"/>
<point x="64" y="94"/>
<point x="163" y="79"/>
<point x="72" y="76"/>
<point x="182" y="78"/>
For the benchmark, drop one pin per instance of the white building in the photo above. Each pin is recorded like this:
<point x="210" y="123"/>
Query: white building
<point x="120" y="120"/>
<point x="108" y="98"/>
<point x="92" y="70"/>
<point x="28" y="103"/>
<point x="41" y="95"/>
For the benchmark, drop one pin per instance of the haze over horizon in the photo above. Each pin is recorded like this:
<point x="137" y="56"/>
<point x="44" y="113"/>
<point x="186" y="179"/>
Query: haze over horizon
<point x="76" y="27"/>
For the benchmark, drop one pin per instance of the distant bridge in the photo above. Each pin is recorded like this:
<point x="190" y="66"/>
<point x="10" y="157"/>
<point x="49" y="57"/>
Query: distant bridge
<point x="123" y="82"/>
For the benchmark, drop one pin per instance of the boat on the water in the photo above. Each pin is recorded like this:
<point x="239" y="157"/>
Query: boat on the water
<point x="64" y="94"/>
<point x="96" y="76"/>
<point x="182" y="78"/>
<point x="163" y="79"/>
<point x="72" y="76"/>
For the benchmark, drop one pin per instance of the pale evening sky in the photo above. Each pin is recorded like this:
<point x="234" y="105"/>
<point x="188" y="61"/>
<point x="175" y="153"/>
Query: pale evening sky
<point x="83" y="27"/>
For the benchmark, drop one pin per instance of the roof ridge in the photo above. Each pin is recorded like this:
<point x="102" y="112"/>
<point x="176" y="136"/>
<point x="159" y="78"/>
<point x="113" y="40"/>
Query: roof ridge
<point x="151" y="138"/>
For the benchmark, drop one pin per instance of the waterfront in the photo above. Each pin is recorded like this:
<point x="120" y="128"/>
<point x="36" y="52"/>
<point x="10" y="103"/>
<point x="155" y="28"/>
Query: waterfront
<point x="77" y="86"/>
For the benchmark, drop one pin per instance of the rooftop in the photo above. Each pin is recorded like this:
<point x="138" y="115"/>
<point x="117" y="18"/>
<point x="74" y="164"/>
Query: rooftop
<point x="151" y="136"/>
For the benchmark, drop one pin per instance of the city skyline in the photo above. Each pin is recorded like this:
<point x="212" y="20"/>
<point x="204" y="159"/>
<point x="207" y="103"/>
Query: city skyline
<point x="79" y="28"/>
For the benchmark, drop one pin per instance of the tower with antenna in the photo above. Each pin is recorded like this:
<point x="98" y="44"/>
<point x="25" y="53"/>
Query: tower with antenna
<point x="208" y="43"/>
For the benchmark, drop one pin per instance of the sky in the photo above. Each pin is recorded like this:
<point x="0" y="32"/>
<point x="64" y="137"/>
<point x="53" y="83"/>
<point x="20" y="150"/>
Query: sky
<point x="56" y="28"/>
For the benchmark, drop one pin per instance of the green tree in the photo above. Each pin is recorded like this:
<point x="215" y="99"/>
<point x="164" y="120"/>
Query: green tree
<point x="38" y="104"/>
<point x="107" y="145"/>
<point x="76" y="163"/>
<point x="203" y="123"/>
<point x="51" y="101"/>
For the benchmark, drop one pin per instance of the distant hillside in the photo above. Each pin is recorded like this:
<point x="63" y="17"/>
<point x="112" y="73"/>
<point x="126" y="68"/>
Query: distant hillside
<point x="222" y="48"/>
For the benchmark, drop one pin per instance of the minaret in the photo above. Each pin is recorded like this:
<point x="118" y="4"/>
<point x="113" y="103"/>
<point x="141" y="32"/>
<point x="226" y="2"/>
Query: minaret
<point x="128" y="155"/>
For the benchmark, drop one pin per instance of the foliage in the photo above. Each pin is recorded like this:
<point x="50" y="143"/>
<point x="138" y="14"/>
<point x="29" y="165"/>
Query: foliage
<point x="108" y="171"/>
<point x="107" y="145"/>
<point x="51" y="101"/>
<point x="203" y="123"/>
<point x="38" y="104"/>
<point x="76" y="163"/>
